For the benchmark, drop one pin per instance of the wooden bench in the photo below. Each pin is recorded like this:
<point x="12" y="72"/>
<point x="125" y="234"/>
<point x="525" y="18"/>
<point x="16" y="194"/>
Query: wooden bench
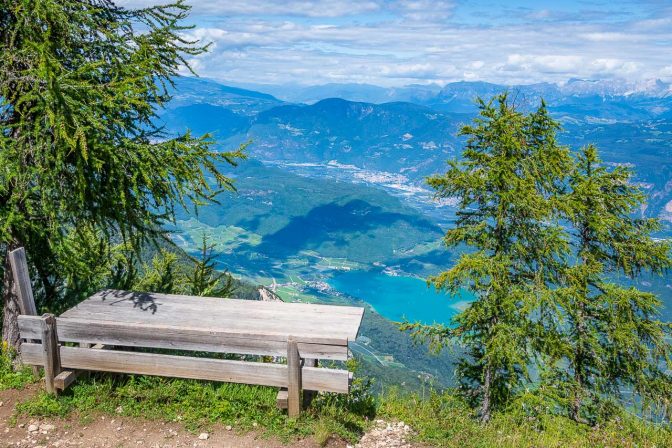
<point x="300" y="333"/>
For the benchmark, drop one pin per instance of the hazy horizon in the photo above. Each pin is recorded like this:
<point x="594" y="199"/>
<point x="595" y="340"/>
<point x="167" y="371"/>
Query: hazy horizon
<point x="392" y="43"/>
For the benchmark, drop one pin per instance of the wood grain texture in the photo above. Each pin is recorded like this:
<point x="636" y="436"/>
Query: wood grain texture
<point x="50" y="352"/>
<point x="178" y="338"/>
<point x="281" y="399"/>
<point x="307" y="322"/>
<point x="308" y="395"/>
<point x="66" y="378"/>
<point x="276" y="375"/>
<point x="24" y="289"/>
<point x="19" y="264"/>
<point x="294" y="378"/>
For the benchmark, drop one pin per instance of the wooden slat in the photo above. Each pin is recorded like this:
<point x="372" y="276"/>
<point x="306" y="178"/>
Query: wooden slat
<point x="50" y="352"/>
<point x="66" y="378"/>
<point x="19" y="264"/>
<point x="318" y="327"/>
<point x="319" y="321"/>
<point x="294" y="379"/>
<point x="24" y="289"/>
<point x="157" y="336"/>
<point x="308" y="395"/>
<point x="112" y="295"/>
<point x="283" y="311"/>
<point x="281" y="399"/>
<point x="276" y="375"/>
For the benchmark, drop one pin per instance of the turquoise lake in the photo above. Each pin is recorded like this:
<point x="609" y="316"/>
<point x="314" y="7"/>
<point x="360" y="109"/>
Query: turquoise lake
<point x="398" y="298"/>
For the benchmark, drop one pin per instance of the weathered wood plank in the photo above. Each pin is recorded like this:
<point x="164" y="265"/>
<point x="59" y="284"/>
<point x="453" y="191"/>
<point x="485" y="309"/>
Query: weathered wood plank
<point x="308" y="395"/>
<point x="314" y="330"/>
<point x="24" y="289"/>
<point x="281" y="399"/>
<point x="153" y="336"/>
<point x="294" y="378"/>
<point x="50" y="352"/>
<point x="320" y="321"/>
<point x="276" y="375"/>
<point x="29" y="326"/>
<point x="217" y="317"/>
<point x="66" y="378"/>
<point x="112" y="295"/>
<point x="19" y="264"/>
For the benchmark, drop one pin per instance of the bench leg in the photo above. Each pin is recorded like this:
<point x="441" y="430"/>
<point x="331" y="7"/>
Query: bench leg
<point x="294" y="380"/>
<point x="308" y="395"/>
<point x="50" y="352"/>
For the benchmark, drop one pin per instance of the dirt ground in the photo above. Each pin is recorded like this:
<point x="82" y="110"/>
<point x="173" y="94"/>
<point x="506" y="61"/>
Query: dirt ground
<point x="109" y="431"/>
<point x="122" y="432"/>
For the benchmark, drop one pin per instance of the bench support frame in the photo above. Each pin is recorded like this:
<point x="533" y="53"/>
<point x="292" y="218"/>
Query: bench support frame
<point x="50" y="352"/>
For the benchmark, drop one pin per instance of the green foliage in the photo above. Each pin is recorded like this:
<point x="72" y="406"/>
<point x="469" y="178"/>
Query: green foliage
<point x="548" y="239"/>
<point x="204" y="279"/>
<point x="441" y="419"/>
<point x="359" y="401"/>
<point x="196" y="404"/>
<point x="446" y="420"/>
<point x="80" y="150"/>
<point x="168" y="273"/>
<point x="611" y="337"/>
<point x="507" y="188"/>
<point x="10" y="377"/>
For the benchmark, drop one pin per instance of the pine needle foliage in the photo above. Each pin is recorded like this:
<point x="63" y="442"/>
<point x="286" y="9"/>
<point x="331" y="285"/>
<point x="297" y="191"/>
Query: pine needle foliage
<point x="613" y="343"/>
<point x="81" y="82"/>
<point x="552" y="246"/>
<point x="205" y="279"/>
<point x="506" y="184"/>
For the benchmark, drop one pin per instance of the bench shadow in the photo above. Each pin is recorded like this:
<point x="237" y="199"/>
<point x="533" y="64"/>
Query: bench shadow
<point x="142" y="300"/>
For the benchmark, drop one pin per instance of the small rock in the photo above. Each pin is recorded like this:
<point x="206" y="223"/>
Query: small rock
<point x="255" y="424"/>
<point x="204" y="436"/>
<point x="228" y="427"/>
<point x="33" y="428"/>
<point x="1" y="403"/>
<point x="119" y="410"/>
<point x="46" y="427"/>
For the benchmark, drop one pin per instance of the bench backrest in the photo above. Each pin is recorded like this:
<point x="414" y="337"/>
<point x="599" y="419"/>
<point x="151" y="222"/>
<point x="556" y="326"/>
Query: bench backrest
<point x="32" y="329"/>
<point x="176" y="338"/>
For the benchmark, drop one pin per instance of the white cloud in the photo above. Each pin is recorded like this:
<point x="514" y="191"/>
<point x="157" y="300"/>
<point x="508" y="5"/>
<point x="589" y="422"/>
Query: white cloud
<point x="395" y="42"/>
<point x="316" y="8"/>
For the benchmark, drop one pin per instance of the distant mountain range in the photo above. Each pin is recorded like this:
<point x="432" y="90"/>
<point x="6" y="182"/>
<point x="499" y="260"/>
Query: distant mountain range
<point x="413" y="138"/>
<point x="337" y="183"/>
<point x="459" y="96"/>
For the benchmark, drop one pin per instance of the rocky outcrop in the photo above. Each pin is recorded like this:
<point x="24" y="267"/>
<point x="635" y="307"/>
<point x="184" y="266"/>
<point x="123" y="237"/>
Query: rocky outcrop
<point x="266" y="295"/>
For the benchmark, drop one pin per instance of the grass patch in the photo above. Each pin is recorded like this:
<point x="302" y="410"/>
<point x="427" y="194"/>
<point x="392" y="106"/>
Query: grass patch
<point x="444" y="420"/>
<point x="199" y="404"/>
<point x="440" y="419"/>
<point x="11" y="378"/>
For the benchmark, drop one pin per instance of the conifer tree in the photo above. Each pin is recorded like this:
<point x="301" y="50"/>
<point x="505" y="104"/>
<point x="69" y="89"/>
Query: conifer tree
<point x="204" y="279"/>
<point x="80" y="151"/>
<point x="506" y="184"/>
<point x="612" y="337"/>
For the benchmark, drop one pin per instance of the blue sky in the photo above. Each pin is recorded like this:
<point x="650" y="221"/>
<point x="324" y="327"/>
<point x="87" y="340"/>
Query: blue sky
<point x="400" y="42"/>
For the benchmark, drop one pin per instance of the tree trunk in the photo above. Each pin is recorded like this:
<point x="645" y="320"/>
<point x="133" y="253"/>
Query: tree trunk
<point x="486" y="404"/>
<point x="579" y="357"/>
<point x="11" y="310"/>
